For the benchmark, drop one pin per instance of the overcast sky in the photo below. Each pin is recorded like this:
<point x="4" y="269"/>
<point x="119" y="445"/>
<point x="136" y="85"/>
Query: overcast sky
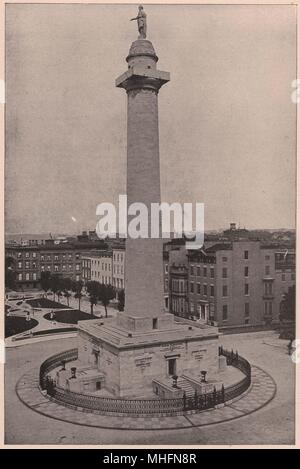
<point x="227" y="122"/>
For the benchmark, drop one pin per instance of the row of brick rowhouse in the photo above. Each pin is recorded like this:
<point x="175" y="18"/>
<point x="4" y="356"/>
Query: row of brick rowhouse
<point x="235" y="283"/>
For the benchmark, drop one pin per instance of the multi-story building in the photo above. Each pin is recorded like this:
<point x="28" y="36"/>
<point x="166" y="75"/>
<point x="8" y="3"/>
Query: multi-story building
<point x="166" y="278"/>
<point x="118" y="266"/>
<point x="86" y="268"/>
<point x="234" y="283"/>
<point x="101" y="267"/>
<point x="62" y="259"/>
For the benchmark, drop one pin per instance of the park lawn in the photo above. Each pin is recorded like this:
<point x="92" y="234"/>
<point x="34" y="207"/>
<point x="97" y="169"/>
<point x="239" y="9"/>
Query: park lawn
<point x="46" y="303"/>
<point x="16" y="325"/>
<point x="71" y="316"/>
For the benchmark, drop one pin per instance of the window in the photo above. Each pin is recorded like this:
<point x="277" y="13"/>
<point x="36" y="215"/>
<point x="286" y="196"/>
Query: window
<point x="49" y="267"/>
<point x="34" y="265"/>
<point x="292" y="276"/>
<point x="42" y="257"/>
<point x="247" y="309"/>
<point x="64" y="267"/>
<point x="192" y="287"/>
<point x="34" y="255"/>
<point x="212" y="290"/>
<point x="225" y="312"/>
<point x="283" y="277"/>
<point x="49" y="258"/>
<point x="77" y="278"/>
<point x="70" y="256"/>
<point x="246" y="271"/>
<point x="212" y="272"/>
<point x="198" y="288"/>
<point x="34" y="276"/>
<point x="166" y="268"/>
<point x="224" y="259"/>
<point x="198" y="270"/>
<point x="19" y="265"/>
<point x="166" y="284"/>
<point x="224" y="272"/>
<point x="225" y="290"/>
<point x="154" y="323"/>
<point x="205" y="290"/>
<point x="27" y="276"/>
<point x="19" y="254"/>
<point x="267" y="270"/>
<point x="70" y="266"/>
<point x="270" y="308"/>
<point x="267" y="258"/>
<point x="268" y="288"/>
<point x="246" y="288"/>
<point x="247" y="320"/>
<point x="246" y="254"/>
<point x="77" y="255"/>
<point x="192" y="270"/>
<point x="27" y="265"/>
<point x="56" y="268"/>
<point x="56" y="257"/>
<point x="42" y="268"/>
<point x="204" y="272"/>
<point x="20" y="277"/>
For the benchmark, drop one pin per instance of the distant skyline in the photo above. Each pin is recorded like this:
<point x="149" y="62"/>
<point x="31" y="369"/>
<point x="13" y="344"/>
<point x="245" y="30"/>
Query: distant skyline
<point x="227" y="122"/>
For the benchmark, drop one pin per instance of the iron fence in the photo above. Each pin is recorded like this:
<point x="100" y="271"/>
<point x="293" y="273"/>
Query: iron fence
<point x="143" y="406"/>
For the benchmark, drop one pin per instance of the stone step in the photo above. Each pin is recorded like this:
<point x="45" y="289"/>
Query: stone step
<point x="185" y="386"/>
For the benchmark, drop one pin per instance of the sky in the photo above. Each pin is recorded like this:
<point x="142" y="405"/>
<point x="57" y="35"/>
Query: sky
<point x="227" y="121"/>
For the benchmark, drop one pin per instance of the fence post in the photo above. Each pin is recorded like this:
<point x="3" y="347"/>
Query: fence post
<point x="223" y="393"/>
<point x="196" y="399"/>
<point x="184" y="400"/>
<point x="215" y="395"/>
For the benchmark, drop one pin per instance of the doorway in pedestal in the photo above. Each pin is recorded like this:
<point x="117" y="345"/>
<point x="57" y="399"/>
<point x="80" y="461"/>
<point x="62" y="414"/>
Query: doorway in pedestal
<point x="96" y="358"/>
<point x="172" y="366"/>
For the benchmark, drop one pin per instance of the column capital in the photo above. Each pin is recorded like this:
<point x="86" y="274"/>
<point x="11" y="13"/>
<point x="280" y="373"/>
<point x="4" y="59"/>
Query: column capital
<point x="136" y="78"/>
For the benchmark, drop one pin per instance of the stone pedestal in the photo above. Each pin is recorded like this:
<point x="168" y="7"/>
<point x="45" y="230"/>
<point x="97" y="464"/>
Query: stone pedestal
<point x="222" y="363"/>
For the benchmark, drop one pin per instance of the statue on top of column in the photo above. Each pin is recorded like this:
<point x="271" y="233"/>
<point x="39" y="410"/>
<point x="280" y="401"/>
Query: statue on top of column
<point x="142" y="23"/>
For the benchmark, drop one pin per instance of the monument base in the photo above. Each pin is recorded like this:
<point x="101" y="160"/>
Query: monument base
<point x="132" y="352"/>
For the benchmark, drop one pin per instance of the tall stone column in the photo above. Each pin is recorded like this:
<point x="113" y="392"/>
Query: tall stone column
<point x="144" y="264"/>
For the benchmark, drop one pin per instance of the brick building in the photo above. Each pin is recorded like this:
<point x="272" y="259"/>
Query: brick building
<point x="234" y="283"/>
<point x="62" y="259"/>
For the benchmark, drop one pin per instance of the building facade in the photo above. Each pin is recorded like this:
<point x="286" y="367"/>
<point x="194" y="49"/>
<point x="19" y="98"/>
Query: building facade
<point x="118" y="267"/>
<point x="63" y="259"/>
<point x="235" y="283"/>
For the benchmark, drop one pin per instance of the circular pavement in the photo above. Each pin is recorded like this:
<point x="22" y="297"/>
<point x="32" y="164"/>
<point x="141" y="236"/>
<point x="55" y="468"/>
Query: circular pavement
<point x="261" y="392"/>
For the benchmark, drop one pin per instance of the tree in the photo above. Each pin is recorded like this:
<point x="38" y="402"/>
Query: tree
<point x="105" y="294"/>
<point x="66" y="285"/>
<point x="10" y="274"/>
<point x="77" y="289"/>
<point x="288" y="305"/>
<point x="121" y="300"/>
<point x="287" y="314"/>
<point x="93" y="292"/>
<point x="46" y="281"/>
<point x="54" y="284"/>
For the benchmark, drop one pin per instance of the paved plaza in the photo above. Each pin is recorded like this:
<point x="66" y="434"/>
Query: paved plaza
<point x="243" y="422"/>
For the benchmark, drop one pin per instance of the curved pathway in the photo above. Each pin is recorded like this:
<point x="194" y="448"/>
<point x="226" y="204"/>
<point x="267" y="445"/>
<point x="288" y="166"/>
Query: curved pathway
<point x="262" y="391"/>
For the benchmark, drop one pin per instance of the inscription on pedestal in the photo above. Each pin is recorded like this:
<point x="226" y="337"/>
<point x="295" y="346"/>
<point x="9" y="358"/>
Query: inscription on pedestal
<point x="199" y="354"/>
<point x="143" y="362"/>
